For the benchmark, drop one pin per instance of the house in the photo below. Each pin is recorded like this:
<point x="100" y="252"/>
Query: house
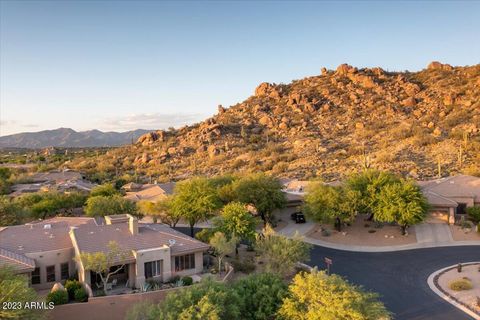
<point x="46" y="251"/>
<point x="450" y="197"/>
<point x="148" y="192"/>
<point x="61" y="181"/>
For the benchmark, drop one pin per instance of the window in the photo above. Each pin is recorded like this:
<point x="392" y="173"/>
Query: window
<point x="36" y="276"/>
<point x="64" y="274"/>
<point x="153" y="269"/>
<point x="185" y="262"/>
<point x="51" y="274"/>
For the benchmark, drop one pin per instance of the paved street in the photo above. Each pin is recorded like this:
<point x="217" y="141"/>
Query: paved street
<point x="401" y="277"/>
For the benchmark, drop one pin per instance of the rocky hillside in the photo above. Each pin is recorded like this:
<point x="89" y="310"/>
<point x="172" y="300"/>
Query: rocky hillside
<point x="414" y="123"/>
<point x="65" y="137"/>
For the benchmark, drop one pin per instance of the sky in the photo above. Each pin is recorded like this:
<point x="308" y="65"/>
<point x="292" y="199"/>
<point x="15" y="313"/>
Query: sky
<point x="123" y="65"/>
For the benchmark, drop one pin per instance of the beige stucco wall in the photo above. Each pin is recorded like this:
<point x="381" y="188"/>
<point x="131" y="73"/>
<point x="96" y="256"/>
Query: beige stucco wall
<point x="50" y="258"/>
<point x="189" y="272"/>
<point x="142" y="256"/>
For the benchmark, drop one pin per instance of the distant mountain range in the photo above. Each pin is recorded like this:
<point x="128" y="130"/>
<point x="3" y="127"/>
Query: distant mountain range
<point x="66" y="137"/>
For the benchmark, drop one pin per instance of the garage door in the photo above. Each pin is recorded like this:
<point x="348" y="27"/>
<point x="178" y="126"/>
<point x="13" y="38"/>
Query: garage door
<point x="437" y="216"/>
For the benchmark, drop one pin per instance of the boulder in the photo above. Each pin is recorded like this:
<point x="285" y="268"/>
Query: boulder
<point x="435" y="65"/>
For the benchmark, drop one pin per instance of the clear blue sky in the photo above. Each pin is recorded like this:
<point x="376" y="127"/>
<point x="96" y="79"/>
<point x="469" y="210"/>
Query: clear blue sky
<point x="119" y="65"/>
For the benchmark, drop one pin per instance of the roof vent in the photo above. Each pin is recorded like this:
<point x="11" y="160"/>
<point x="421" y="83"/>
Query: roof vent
<point x="51" y="236"/>
<point x="91" y="232"/>
<point x="47" y="226"/>
<point x="20" y="247"/>
<point x="171" y="242"/>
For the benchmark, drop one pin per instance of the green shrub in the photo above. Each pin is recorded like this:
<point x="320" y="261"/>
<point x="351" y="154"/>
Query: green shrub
<point x="243" y="266"/>
<point x="81" y="295"/>
<point x="174" y="279"/>
<point x="187" y="281"/>
<point x="72" y="286"/>
<point x="460" y="285"/>
<point x="58" y="297"/>
<point x="474" y="214"/>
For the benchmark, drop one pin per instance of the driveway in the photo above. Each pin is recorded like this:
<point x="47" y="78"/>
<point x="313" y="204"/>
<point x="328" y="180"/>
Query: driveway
<point x="434" y="233"/>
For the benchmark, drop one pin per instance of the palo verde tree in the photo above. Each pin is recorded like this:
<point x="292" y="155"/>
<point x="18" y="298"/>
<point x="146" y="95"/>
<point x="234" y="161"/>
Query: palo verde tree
<point x="281" y="254"/>
<point x="327" y="204"/>
<point x="108" y="205"/>
<point x="317" y="295"/>
<point x="235" y="221"/>
<point x="367" y="185"/>
<point x="101" y="262"/>
<point x="222" y="247"/>
<point x="159" y="210"/>
<point x="194" y="200"/>
<point x="262" y="191"/>
<point x="402" y="202"/>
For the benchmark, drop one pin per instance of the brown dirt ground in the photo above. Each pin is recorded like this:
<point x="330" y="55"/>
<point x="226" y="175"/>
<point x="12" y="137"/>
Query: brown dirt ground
<point x="468" y="296"/>
<point x="459" y="234"/>
<point x="358" y="234"/>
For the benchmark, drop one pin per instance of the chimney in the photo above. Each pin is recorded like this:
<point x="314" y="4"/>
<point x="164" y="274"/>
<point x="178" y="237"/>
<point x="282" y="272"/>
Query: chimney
<point x="133" y="225"/>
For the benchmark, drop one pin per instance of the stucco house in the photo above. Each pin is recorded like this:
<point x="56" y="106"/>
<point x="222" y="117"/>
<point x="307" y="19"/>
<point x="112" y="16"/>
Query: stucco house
<point x="148" y="192"/>
<point x="46" y="250"/>
<point x="450" y="197"/>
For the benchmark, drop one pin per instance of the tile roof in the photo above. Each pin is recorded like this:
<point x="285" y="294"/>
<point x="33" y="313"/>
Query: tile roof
<point x="148" y="192"/>
<point x="93" y="238"/>
<point x="46" y="235"/>
<point x="18" y="262"/>
<point x="454" y="186"/>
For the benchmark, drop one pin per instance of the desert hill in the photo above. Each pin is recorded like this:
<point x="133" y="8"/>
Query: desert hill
<point x="414" y="123"/>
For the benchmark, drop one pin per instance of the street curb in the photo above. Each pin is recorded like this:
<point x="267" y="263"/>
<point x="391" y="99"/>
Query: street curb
<point x="388" y="248"/>
<point x="431" y="283"/>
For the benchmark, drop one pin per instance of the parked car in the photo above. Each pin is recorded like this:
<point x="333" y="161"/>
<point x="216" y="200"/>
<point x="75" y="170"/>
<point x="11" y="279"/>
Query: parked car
<point x="298" y="217"/>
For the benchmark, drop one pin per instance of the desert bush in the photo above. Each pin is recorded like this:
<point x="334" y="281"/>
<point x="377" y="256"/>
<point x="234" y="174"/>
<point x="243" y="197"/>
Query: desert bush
<point x="58" y="297"/>
<point x="243" y="266"/>
<point x="187" y="281"/>
<point x="474" y="214"/>
<point x="71" y="286"/>
<point x="81" y="295"/>
<point x="460" y="285"/>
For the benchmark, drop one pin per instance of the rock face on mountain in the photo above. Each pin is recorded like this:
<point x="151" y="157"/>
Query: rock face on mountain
<point x="65" y="137"/>
<point x="327" y="125"/>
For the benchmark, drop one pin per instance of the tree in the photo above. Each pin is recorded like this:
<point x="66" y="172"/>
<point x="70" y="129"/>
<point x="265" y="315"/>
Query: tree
<point x="367" y="185"/>
<point x="327" y="204"/>
<point x="402" y="202"/>
<point x="101" y="262"/>
<point x="10" y="212"/>
<point x="15" y="289"/>
<point x="316" y="295"/>
<point x="106" y="190"/>
<point x="207" y="300"/>
<point x="262" y="191"/>
<point x="159" y="210"/>
<point x="236" y="222"/>
<point x="281" y="253"/>
<point x="103" y="206"/>
<point x="262" y="295"/>
<point x="194" y="200"/>
<point x="222" y="247"/>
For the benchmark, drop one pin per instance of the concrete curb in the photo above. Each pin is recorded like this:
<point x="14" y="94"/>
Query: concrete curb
<point x="433" y="286"/>
<point x="388" y="248"/>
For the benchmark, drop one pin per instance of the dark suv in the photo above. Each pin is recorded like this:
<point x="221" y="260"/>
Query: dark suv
<point x="298" y="217"/>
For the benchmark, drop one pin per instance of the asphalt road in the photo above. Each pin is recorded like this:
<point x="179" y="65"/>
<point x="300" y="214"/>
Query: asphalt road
<point x="399" y="277"/>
